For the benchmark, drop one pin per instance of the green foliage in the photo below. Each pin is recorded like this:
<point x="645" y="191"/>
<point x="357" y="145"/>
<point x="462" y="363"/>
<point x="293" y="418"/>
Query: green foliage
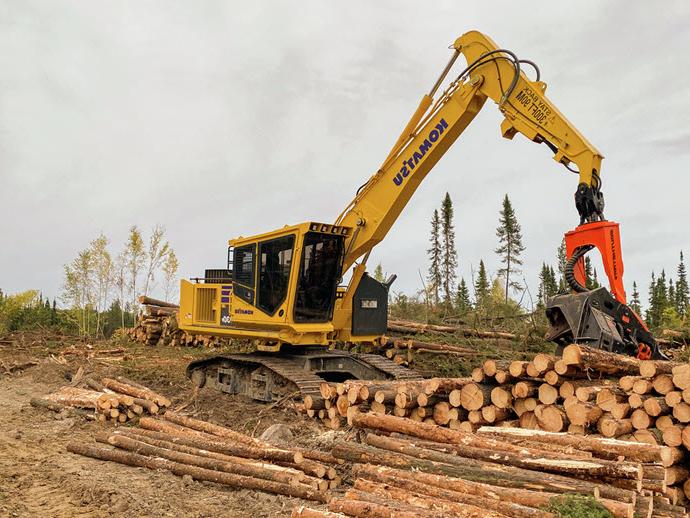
<point x="481" y="287"/>
<point x="591" y="281"/>
<point x="510" y="245"/>
<point x="577" y="506"/>
<point x="463" y="304"/>
<point x="682" y="298"/>
<point x="449" y="262"/>
<point x="561" y="255"/>
<point x="548" y="285"/>
<point x="434" y="253"/>
<point x="378" y="273"/>
<point x="28" y="311"/>
<point x="635" y="304"/>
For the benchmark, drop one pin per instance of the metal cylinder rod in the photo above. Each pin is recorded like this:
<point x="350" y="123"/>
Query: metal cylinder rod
<point x="444" y="73"/>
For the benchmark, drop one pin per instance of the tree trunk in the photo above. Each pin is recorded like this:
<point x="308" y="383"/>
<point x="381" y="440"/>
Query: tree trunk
<point x="229" y="479"/>
<point x="601" y="446"/>
<point x="493" y="474"/>
<point x="600" y="360"/>
<point x="137" y="392"/>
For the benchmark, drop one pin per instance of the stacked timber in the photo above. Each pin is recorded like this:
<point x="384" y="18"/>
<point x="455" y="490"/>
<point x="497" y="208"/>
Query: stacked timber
<point x="210" y="452"/>
<point x="404" y="468"/>
<point x="584" y="393"/>
<point x="157" y="325"/>
<point x="116" y="400"/>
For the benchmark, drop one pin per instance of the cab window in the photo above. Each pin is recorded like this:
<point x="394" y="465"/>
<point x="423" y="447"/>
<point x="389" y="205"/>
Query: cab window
<point x="275" y="261"/>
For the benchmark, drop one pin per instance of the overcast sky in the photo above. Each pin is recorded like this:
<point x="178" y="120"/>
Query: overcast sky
<point x="224" y="118"/>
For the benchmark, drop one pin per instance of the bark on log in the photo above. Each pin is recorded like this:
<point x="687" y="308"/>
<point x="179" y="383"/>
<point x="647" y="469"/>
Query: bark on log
<point x="442" y="487"/>
<point x="365" y="509"/>
<point x="210" y="428"/>
<point x="196" y="457"/>
<point x="463" y="506"/>
<point x="229" y="479"/>
<point x="164" y="431"/>
<point x="149" y="301"/>
<point x="598" y="445"/>
<point x="76" y="397"/>
<point x="467" y="455"/>
<point x="136" y="392"/>
<point x="308" y="512"/>
<point x="600" y="360"/>
<point x="498" y="475"/>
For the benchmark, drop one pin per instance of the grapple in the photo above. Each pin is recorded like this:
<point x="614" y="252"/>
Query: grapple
<point x="598" y="318"/>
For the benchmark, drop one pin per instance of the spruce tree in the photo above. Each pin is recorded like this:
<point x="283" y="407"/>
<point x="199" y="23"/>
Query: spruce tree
<point x="449" y="262"/>
<point x="682" y="290"/>
<point x="562" y="260"/>
<point x="591" y="281"/>
<point x="378" y="273"/>
<point x="635" y="302"/>
<point x="462" y="298"/>
<point x="548" y="286"/>
<point x="481" y="286"/>
<point x="671" y="294"/>
<point x="652" y="299"/>
<point x="435" y="253"/>
<point x="510" y="239"/>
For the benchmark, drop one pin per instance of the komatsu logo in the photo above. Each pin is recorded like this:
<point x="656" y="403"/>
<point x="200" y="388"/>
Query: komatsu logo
<point x="410" y="163"/>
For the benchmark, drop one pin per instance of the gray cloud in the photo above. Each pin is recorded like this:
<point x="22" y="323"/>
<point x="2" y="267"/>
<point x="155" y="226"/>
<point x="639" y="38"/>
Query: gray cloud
<point x="227" y="118"/>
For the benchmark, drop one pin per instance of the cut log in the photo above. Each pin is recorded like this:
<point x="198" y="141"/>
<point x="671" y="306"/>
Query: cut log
<point x="134" y="459"/>
<point x="651" y="368"/>
<point x="543" y="362"/>
<point x="195" y="457"/>
<point x="598" y="445"/>
<point x="681" y="412"/>
<point x="640" y="419"/>
<point x="584" y="414"/>
<point x="663" y="384"/>
<point x="600" y="360"/>
<point x="473" y="396"/>
<point x="493" y="414"/>
<point x="620" y="410"/>
<point x="478" y="375"/>
<point x="517" y="368"/>
<point x="681" y="375"/>
<point x="655" y="406"/>
<point x="136" y="392"/>
<point x="501" y="397"/>
<point x="547" y="394"/>
<point x="209" y="428"/>
<point x="76" y="397"/>
<point x="672" y="435"/>
<point x="486" y="472"/>
<point x="642" y="386"/>
<point x="609" y="427"/>
<point x="608" y="397"/>
<point x="445" y="487"/>
<point x="524" y="389"/>
<point x="308" y="512"/>
<point x="663" y="422"/>
<point x="551" y="418"/>
<point x="673" y="398"/>
<point x="367" y="509"/>
<point x="466" y="506"/>
<point x="529" y="421"/>
<point x="149" y="301"/>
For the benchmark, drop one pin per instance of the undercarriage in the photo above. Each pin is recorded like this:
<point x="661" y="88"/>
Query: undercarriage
<point x="268" y="376"/>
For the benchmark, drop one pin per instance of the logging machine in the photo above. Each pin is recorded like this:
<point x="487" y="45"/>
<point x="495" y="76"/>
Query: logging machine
<point x="282" y="289"/>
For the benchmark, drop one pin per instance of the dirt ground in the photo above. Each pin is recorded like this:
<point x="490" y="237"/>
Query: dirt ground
<point x="38" y="477"/>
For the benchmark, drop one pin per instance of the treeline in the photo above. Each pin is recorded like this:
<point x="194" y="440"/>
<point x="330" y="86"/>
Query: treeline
<point x="506" y="293"/>
<point x="99" y="285"/>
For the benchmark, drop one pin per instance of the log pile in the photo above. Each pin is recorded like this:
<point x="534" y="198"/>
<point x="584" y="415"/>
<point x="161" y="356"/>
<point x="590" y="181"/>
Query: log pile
<point x="157" y="325"/>
<point x="208" y="452"/>
<point x="111" y="400"/>
<point x="587" y="393"/>
<point x="405" y="468"/>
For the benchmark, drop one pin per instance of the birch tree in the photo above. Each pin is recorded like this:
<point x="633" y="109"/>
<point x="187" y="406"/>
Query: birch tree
<point x="156" y="254"/>
<point x="136" y="258"/>
<point x="103" y="275"/>
<point x="170" y="274"/>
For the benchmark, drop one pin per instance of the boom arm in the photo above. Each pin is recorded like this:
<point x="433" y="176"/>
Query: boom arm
<point x="491" y="73"/>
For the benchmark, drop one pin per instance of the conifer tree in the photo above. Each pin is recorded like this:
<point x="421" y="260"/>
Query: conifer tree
<point x="462" y="299"/>
<point x="562" y="260"/>
<point x="682" y="290"/>
<point x="548" y="286"/>
<point x="435" y="253"/>
<point x="651" y="296"/>
<point x="635" y="302"/>
<point x="449" y="262"/>
<point x="510" y="238"/>
<point x="671" y="294"/>
<point x="481" y="286"/>
<point x="591" y="281"/>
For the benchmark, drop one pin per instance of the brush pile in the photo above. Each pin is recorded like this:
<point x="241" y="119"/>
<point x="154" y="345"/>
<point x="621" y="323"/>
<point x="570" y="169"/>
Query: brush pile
<point x="116" y="400"/>
<point x="587" y="393"/>
<point x="208" y="452"/>
<point x="157" y="325"/>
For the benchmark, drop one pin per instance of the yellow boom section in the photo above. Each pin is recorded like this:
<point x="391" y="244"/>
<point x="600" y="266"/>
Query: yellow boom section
<point x="491" y="73"/>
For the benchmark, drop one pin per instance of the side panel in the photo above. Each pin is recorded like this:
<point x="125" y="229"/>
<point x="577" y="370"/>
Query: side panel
<point x="370" y="308"/>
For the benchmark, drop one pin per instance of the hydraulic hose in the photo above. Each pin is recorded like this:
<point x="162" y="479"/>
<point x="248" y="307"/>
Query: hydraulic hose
<point x="569" y="272"/>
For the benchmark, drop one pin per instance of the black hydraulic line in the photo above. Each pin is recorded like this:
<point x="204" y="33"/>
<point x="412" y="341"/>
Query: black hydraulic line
<point x="569" y="272"/>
